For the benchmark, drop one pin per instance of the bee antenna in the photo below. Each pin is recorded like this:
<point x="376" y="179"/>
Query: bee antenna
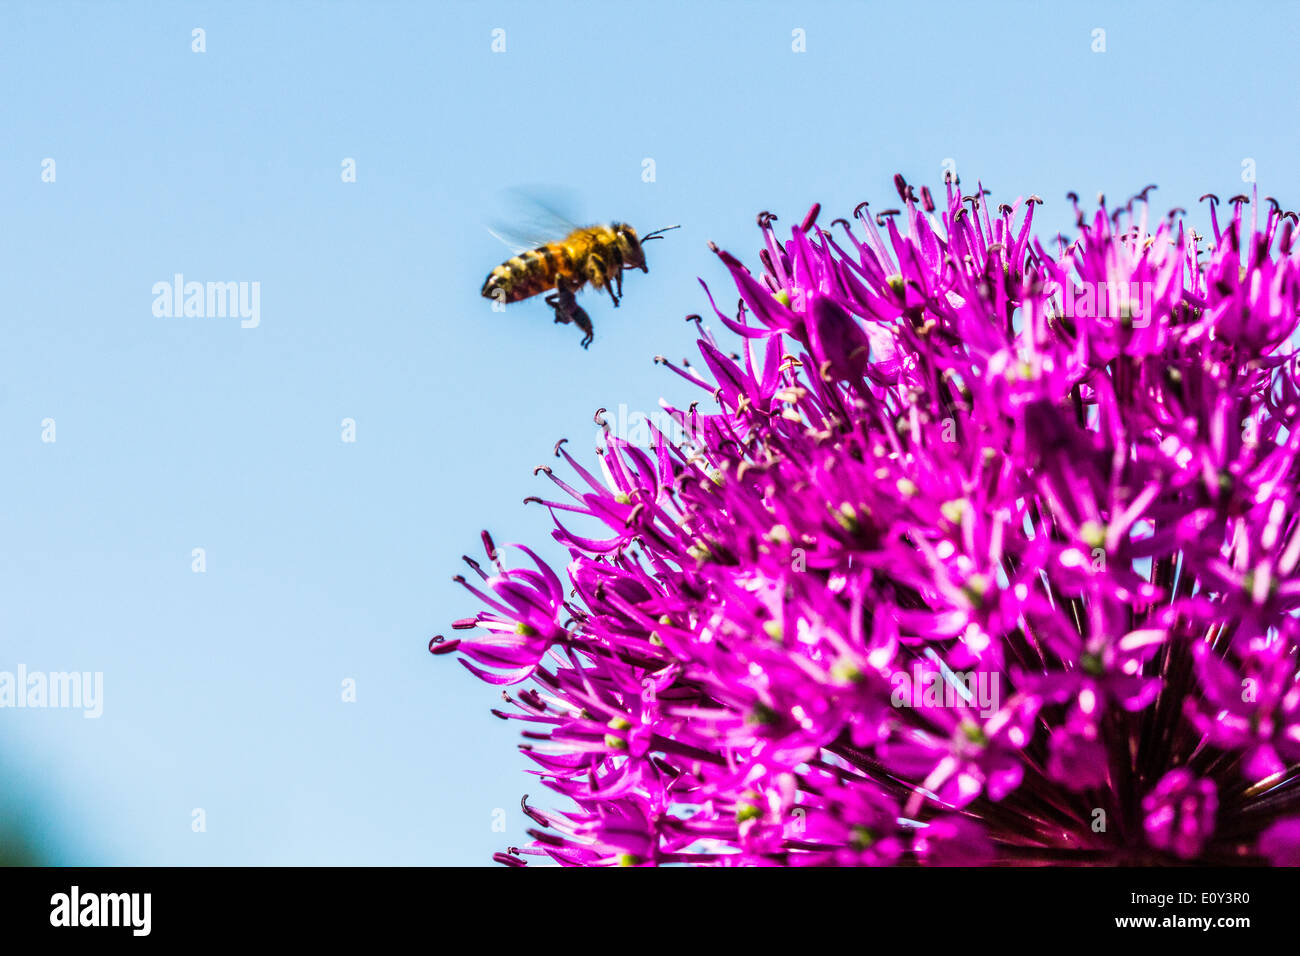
<point x="658" y="233"/>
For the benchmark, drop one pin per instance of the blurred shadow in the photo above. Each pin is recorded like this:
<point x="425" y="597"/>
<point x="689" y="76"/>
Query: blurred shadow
<point x="15" y="847"/>
<point x="23" y="835"/>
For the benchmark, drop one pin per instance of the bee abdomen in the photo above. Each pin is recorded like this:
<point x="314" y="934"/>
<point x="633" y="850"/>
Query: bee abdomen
<point x="522" y="276"/>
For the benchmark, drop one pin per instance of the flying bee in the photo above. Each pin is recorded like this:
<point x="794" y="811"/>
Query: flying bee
<point x="595" y="255"/>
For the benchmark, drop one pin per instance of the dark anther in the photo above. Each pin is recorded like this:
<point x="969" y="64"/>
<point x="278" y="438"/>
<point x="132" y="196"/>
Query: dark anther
<point x="836" y="222"/>
<point x="1034" y="199"/>
<point x="811" y="218"/>
<point x="545" y="468"/>
<point x="901" y="185"/>
<point x="1210" y="196"/>
<point x="1146" y="190"/>
<point x="1277" y="206"/>
<point x="1004" y="209"/>
<point x="694" y="318"/>
<point x="958" y="215"/>
<point x="597" y="419"/>
<point x="1072" y="196"/>
<point x="857" y="210"/>
<point x="533" y="814"/>
<point x="557" y="446"/>
<point x="765" y="218"/>
<point x="884" y="214"/>
<point x="1176" y="212"/>
<point x="927" y="201"/>
<point x="1239" y="198"/>
<point x="660" y="360"/>
<point x="489" y="547"/>
<point x="713" y="246"/>
<point x="439" y="646"/>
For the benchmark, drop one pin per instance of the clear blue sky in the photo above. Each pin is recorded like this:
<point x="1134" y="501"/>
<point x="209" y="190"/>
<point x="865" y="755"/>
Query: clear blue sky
<point x="329" y="560"/>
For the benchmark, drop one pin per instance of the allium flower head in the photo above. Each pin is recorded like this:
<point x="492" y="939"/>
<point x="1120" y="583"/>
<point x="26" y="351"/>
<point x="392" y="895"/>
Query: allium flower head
<point x="978" y="549"/>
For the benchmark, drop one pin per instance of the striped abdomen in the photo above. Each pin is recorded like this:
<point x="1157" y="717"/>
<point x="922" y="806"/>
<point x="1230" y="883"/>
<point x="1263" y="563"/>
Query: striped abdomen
<point x="537" y="270"/>
<point x="531" y="272"/>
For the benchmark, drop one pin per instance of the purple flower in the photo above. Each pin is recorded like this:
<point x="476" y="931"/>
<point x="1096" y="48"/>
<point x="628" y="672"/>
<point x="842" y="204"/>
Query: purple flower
<point x="1280" y="843"/>
<point x="1253" y="706"/>
<point x="954" y="841"/>
<point x="976" y="548"/>
<point x="1180" y="812"/>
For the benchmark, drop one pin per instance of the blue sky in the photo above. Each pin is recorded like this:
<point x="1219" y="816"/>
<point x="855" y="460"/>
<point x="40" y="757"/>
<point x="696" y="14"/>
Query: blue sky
<point x="329" y="560"/>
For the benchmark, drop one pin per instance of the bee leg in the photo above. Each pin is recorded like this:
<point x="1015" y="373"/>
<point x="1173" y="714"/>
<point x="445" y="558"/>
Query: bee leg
<point x="553" y="300"/>
<point x="564" y="311"/>
<point x="601" y="276"/>
<point x="583" y="321"/>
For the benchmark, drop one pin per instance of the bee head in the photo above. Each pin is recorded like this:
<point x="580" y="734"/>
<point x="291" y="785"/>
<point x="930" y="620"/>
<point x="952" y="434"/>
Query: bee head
<point x="630" y="247"/>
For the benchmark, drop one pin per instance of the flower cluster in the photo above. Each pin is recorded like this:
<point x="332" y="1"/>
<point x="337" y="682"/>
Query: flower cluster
<point x="979" y="549"/>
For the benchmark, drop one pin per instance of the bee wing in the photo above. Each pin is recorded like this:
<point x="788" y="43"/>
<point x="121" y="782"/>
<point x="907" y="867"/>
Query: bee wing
<point x="536" y="216"/>
<point x="513" y="239"/>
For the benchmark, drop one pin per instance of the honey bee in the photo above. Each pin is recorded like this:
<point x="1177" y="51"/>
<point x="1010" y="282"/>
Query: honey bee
<point x="595" y="255"/>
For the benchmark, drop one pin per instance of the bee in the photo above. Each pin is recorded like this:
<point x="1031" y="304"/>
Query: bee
<point x="595" y="255"/>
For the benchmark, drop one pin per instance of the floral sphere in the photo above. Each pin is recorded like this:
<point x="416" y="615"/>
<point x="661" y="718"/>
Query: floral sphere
<point x="979" y="550"/>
